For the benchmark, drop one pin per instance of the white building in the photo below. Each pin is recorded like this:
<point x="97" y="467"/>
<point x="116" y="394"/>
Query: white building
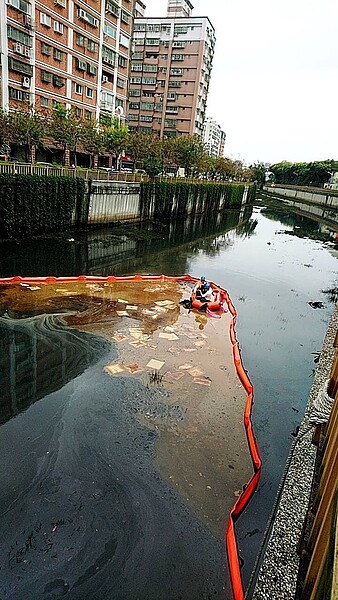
<point x="213" y="137"/>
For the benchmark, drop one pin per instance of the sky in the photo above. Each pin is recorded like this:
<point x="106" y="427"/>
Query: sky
<point x="274" y="83"/>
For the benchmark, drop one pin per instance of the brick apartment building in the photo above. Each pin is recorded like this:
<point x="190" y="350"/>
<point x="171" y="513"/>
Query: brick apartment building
<point x="170" y="71"/>
<point x="72" y="52"/>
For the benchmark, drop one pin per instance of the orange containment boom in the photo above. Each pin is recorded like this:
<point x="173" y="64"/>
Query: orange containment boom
<point x="249" y="489"/>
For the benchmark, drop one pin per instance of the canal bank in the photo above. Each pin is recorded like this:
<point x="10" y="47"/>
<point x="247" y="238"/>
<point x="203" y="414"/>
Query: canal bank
<point x="277" y="571"/>
<point x="274" y="264"/>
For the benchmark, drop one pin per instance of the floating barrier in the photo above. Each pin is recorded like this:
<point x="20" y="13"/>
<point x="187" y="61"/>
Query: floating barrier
<point x="250" y="487"/>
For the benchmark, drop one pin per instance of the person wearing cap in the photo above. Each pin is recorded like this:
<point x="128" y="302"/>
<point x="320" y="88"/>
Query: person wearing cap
<point x="203" y="290"/>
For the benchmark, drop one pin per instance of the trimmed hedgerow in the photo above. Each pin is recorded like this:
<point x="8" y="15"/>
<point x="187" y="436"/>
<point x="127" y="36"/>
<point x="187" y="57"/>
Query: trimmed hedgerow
<point x="33" y="205"/>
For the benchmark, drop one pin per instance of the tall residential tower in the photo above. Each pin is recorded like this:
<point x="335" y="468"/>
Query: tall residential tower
<point x="72" y="52"/>
<point x="170" y="72"/>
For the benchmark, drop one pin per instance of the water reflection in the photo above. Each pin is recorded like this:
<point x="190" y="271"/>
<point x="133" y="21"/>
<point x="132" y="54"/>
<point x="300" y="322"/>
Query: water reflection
<point x="104" y="252"/>
<point x="38" y="356"/>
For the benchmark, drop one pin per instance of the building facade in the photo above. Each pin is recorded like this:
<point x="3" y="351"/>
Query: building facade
<point x="70" y="52"/>
<point x="170" y="72"/>
<point x="213" y="137"/>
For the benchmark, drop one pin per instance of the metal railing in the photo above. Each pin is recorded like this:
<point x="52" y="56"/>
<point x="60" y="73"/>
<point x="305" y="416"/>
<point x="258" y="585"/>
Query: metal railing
<point x="14" y="168"/>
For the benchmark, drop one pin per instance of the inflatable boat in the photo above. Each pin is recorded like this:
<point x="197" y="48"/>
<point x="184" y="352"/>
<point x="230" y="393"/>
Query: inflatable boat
<point x="214" y="305"/>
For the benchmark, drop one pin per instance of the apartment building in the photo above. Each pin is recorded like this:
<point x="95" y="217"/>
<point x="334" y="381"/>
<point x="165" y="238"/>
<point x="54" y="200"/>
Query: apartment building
<point x="72" y="52"/>
<point x="170" y="72"/>
<point x="213" y="137"/>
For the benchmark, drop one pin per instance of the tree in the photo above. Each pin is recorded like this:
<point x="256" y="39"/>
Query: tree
<point x="66" y="129"/>
<point x="5" y="137"/>
<point x="152" y="166"/>
<point x="92" y="139"/>
<point x="138" y="146"/>
<point x="189" y="151"/>
<point x="27" y="129"/>
<point x="115" y="135"/>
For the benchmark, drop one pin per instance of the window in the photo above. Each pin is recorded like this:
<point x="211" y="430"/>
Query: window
<point x="125" y="17"/>
<point x="150" y="68"/>
<point x="109" y="30"/>
<point x="180" y="29"/>
<point x="139" y="41"/>
<point x="124" y="40"/>
<point x="92" y="46"/>
<point x="137" y="67"/>
<point x="147" y="106"/>
<point x="58" y="27"/>
<point x="108" y="56"/>
<point x="140" y="27"/>
<point x="45" y="19"/>
<point x="146" y="118"/>
<point x="91" y="69"/>
<point x="134" y="92"/>
<point x="20" y="5"/>
<point x="177" y="57"/>
<point x="149" y="80"/>
<point x="88" y="115"/>
<point x="20" y="67"/>
<point x="78" y="88"/>
<point x="58" y="55"/>
<point x="174" y="84"/>
<point x="87" y="17"/>
<point x="112" y="8"/>
<point x="19" y="36"/>
<point x="58" y="81"/>
<point x="134" y="105"/>
<point x="18" y="94"/>
<point x="81" y="65"/>
<point x="46" y="77"/>
<point x="89" y="92"/>
<point x="120" y="82"/>
<point x="137" y="55"/>
<point x="152" y="41"/>
<point x="80" y="40"/>
<point x="118" y="102"/>
<point x="78" y="111"/>
<point x="153" y="27"/>
<point x="132" y="117"/>
<point x="44" y="101"/>
<point x="46" y="49"/>
<point x="122" y="62"/>
<point x="135" y="80"/>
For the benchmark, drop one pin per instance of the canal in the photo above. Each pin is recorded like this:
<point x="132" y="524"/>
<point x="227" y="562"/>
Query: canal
<point x="274" y="265"/>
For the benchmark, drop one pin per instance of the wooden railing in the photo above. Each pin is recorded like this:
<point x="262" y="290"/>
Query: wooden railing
<point x="321" y="548"/>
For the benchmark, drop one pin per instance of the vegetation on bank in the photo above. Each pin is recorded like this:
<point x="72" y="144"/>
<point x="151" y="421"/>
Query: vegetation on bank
<point x="60" y="131"/>
<point x="176" y="199"/>
<point x="308" y="174"/>
<point x="33" y="205"/>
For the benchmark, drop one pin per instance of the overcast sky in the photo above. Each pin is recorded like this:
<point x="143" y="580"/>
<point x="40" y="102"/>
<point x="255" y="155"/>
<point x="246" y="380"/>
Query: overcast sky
<point x="274" y="84"/>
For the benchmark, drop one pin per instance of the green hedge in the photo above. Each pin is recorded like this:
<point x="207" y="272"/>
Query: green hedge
<point x="32" y="205"/>
<point x="173" y="199"/>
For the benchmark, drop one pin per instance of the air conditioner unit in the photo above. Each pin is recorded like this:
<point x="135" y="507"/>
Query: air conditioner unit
<point x="26" y="82"/>
<point x="104" y="79"/>
<point x="29" y="23"/>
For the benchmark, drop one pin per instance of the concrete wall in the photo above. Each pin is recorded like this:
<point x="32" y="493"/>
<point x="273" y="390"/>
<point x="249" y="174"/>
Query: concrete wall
<point x="324" y="198"/>
<point x="114" y="201"/>
<point x="320" y="205"/>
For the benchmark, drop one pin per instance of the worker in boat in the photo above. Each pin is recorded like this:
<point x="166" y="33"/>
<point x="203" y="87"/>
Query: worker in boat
<point x="198" y="285"/>
<point x="203" y="290"/>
